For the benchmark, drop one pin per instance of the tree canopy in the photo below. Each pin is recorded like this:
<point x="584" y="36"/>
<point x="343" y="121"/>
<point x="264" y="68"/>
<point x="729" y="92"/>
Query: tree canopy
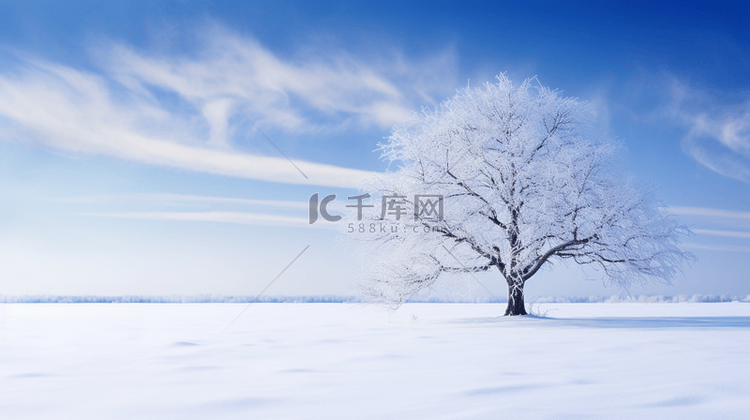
<point x="525" y="179"/>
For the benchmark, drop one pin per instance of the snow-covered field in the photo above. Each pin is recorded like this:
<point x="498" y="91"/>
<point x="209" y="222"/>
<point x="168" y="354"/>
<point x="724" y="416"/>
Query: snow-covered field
<point x="323" y="361"/>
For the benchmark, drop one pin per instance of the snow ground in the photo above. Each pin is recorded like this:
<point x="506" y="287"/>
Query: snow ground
<point x="327" y="361"/>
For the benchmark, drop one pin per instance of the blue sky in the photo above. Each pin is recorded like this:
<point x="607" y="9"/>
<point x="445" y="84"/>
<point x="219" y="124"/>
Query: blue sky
<point x="131" y="160"/>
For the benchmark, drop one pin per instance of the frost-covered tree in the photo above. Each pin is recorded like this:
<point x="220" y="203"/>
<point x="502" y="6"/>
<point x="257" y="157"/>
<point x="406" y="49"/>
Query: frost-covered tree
<point x="526" y="180"/>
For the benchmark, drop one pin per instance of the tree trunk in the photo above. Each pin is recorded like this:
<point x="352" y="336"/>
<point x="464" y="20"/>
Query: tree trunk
<point x="515" y="300"/>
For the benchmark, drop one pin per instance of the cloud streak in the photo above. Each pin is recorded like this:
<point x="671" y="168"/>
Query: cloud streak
<point x="177" y="199"/>
<point x="722" y="143"/>
<point x="720" y="248"/>
<point x="215" y="216"/>
<point x="725" y="233"/>
<point x="184" y="111"/>
<point x="706" y="211"/>
<point x="718" y="135"/>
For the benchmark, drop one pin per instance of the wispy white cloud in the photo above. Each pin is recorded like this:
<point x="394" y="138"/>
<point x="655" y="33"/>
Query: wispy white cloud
<point x="706" y="211"/>
<point x="232" y="71"/>
<point x="72" y="110"/>
<point x="722" y="143"/>
<point x="216" y="216"/>
<point x="181" y="207"/>
<point x="721" y="248"/>
<point x="184" y="110"/>
<point x="718" y="130"/>
<point x="706" y="221"/>
<point x="725" y="233"/>
<point x="166" y="199"/>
